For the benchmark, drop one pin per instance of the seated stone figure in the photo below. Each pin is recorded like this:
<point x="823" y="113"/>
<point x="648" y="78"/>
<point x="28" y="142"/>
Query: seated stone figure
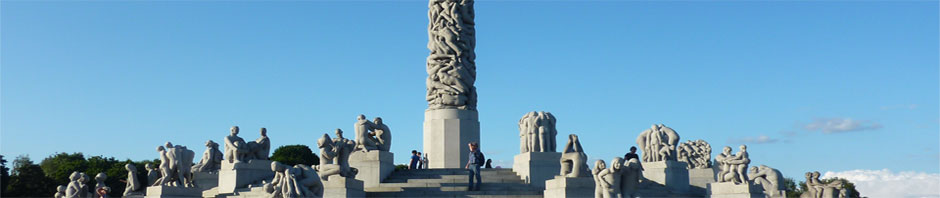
<point x="769" y="178"/>
<point x="382" y="134"/>
<point x="334" y="156"/>
<point x="364" y="140"/>
<point x="133" y="183"/>
<point x="260" y="148"/>
<point x="817" y="189"/>
<point x="211" y="159"/>
<point x="573" y="160"/>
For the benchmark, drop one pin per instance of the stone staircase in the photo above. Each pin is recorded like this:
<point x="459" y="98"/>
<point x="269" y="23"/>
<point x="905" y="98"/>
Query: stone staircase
<point x="452" y="183"/>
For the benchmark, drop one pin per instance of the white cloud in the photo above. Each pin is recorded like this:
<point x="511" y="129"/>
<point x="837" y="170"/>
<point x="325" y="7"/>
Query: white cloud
<point x="886" y="183"/>
<point x="762" y="139"/>
<point x="835" y="125"/>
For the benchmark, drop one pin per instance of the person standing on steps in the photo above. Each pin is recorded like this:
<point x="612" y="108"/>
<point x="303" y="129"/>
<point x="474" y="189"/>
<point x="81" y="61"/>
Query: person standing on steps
<point x="420" y="162"/>
<point x="424" y="161"/>
<point x="414" y="160"/>
<point x="473" y="163"/>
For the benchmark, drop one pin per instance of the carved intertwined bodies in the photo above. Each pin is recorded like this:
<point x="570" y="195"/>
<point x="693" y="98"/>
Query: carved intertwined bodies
<point x="450" y="65"/>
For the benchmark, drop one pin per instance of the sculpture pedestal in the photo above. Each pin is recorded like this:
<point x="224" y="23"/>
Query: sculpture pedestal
<point x="672" y="174"/>
<point x="536" y="167"/>
<point x="239" y="175"/>
<point x="699" y="178"/>
<point x="446" y="134"/>
<point x="172" y="191"/>
<point x="374" y="166"/>
<point x="562" y="187"/>
<point x="206" y="180"/>
<point x="339" y="186"/>
<point x="731" y="190"/>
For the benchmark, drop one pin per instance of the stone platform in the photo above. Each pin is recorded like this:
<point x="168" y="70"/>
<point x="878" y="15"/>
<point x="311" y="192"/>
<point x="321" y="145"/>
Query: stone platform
<point x="339" y="186"/>
<point x="172" y="191"/>
<point x="497" y="182"/>
<point x="536" y="167"/>
<point x="446" y="134"/>
<point x="699" y="178"/>
<point x="672" y="174"/>
<point x="731" y="190"/>
<point x="239" y="175"/>
<point x="374" y="166"/>
<point x="563" y="187"/>
<point x="206" y="180"/>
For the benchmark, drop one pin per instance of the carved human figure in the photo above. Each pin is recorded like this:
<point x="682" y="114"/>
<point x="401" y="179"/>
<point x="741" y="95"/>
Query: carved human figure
<point x="342" y="147"/>
<point x="658" y="143"/>
<point x="611" y="178"/>
<point x="60" y="191"/>
<point x="74" y="190"/>
<point x="312" y="186"/>
<point x="696" y="153"/>
<point x="327" y="154"/>
<point x="274" y="187"/>
<point x="164" y="168"/>
<point x="817" y="189"/>
<point x="630" y="177"/>
<point x="211" y="159"/>
<point x="365" y="141"/>
<point x="260" y="148"/>
<point x="450" y="65"/>
<point x="133" y="183"/>
<point x="152" y="173"/>
<point x="99" y="182"/>
<point x="739" y="163"/>
<point x="769" y="178"/>
<point x="599" y="188"/>
<point x="183" y="159"/>
<point x="573" y="159"/>
<point x="532" y="131"/>
<point x="383" y="134"/>
<point x="725" y="174"/>
<point x="83" y="183"/>
<point x="524" y="142"/>
<point x="235" y="147"/>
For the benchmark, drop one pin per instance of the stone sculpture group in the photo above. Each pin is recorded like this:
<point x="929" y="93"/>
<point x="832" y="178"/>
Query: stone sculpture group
<point x="537" y="132"/>
<point x="372" y="135"/>
<point x="658" y="143"/>
<point x="733" y="167"/>
<point x="175" y="165"/>
<point x="618" y="180"/>
<point x="696" y="153"/>
<point x="817" y="189"/>
<point x="450" y="65"/>
<point x="298" y="181"/>
<point x="769" y="178"/>
<point x="211" y="159"/>
<point x="334" y="156"/>
<point x="238" y="151"/>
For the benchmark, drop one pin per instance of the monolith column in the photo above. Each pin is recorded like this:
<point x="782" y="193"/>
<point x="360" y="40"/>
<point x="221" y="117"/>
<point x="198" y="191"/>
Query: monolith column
<point x="450" y="122"/>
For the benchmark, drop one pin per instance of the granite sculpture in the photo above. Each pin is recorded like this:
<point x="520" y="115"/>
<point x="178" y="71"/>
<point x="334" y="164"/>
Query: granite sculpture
<point x="239" y="151"/>
<point x="658" y="143"/>
<point x="608" y="179"/>
<point x="152" y="174"/>
<point x="59" y="192"/>
<point x="732" y="167"/>
<point x="573" y="159"/>
<point x="696" y="153"/>
<point x="99" y="183"/>
<point x="450" y="65"/>
<point x="211" y="159"/>
<point x="630" y="177"/>
<point x="334" y="156"/>
<point x="133" y="183"/>
<point x="83" y="183"/>
<point x="537" y="132"/>
<point x="175" y="166"/>
<point x="74" y="189"/>
<point x="383" y="134"/>
<point x="769" y="178"/>
<point x="372" y="135"/>
<point x="298" y="181"/>
<point x="817" y="189"/>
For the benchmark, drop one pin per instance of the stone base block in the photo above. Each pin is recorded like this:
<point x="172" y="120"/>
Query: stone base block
<point x="776" y="193"/>
<point x="374" y="166"/>
<point x="172" y="191"/>
<point x="446" y="134"/>
<point x="672" y="174"/>
<point x="239" y="175"/>
<point x="206" y="180"/>
<point x="699" y="178"/>
<point x="731" y="190"/>
<point x="563" y="187"/>
<point x="537" y="167"/>
<point x="339" y="186"/>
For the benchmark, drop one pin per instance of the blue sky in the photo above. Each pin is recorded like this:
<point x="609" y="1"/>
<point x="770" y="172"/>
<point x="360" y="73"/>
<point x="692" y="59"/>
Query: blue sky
<point x="831" y="86"/>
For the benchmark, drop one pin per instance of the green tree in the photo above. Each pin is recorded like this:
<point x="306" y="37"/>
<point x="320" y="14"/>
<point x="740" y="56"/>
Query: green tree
<point x="791" y="187"/>
<point x="4" y="176"/>
<point x="60" y="165"/>
<point x="28" y="180"/>
<point x="295" y="154"/>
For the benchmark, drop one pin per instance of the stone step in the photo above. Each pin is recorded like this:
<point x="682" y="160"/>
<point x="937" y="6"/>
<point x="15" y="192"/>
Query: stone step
<point x="455" y="180"/>
<point x="450" y="187"/>
<point x="457" y="193"/>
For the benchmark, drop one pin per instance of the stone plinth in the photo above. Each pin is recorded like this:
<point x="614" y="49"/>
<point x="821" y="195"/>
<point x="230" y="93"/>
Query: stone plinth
<point x="374" y="166"/>
<point x="239" y="175"/>
<point x="563" y="187"/>
<point x="731" y="190"/>
<point x="206" y="180"/>
<point x="536" y="167"/>
<point x="672" y="174"/>
<point x="699" y="178"/>
<point x="446" y="134"/>
<point x="172" y="191"/>
<point x="339" y="186"/>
